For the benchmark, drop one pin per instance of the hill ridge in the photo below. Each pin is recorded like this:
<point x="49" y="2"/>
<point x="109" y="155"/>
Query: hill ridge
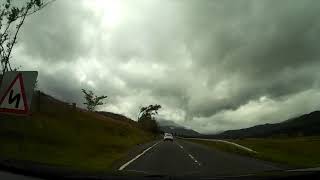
<point x="303" y="125"/>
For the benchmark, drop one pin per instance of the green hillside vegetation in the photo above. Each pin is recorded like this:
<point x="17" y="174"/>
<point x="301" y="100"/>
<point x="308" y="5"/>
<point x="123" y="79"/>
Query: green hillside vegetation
<point x="59" y="134"/>
<point x="304" y="125"/>
<point x="297" y="152"/>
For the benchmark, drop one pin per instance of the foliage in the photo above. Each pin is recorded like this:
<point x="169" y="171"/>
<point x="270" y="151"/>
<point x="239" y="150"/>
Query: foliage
<point x="60" y="136"/>
<point x="12" y="16"/>
<point x="294" y="152"/>
<point x="92" y="101"/>
<point x="146" y="117"/>
<point x="149" y="111"/>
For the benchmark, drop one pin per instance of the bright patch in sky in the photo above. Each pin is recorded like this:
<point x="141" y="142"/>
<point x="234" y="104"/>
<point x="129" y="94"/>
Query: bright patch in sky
<point x="110" y="11"/>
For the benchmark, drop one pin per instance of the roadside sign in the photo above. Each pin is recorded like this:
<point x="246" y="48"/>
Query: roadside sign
<point x="16" y="92"/>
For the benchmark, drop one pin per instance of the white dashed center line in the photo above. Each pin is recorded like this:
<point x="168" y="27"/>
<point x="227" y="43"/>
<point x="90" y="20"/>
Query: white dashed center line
<point x="193" y="158"/>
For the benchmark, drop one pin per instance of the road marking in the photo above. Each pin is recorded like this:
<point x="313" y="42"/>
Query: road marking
<point x="132" y="170"/>
<point x="193" y="158"/>
<point x="303" y="170"/>
<point x="180" y="146"/>
<point x="135" y="158"/>
<point x="227" y="142"/>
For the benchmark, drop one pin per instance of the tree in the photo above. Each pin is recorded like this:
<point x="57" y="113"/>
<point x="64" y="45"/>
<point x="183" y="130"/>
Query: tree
<point x="12" y="16"/>
<point x="146" y="117"/>
<point x="92" y="101"/>
<point x="149" y="111"/>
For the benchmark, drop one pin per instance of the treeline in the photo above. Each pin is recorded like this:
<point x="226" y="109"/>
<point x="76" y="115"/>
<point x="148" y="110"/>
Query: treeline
<point x="146" y="118"/>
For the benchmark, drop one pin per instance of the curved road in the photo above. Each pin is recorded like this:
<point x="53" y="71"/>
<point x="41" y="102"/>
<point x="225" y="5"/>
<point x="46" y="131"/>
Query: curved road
<point x="182" y="157"/>
<point x="186" y="158"/>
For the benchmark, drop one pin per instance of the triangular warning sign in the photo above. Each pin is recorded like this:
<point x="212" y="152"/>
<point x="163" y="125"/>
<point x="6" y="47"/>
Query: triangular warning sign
<point x="14" y="99"/>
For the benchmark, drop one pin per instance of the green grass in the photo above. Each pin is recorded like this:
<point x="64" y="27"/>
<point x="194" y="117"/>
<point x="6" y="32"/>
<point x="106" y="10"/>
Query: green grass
<point x="299" y="152"/>
<point x="223" y="147"/>
<point x="72" y="139"/>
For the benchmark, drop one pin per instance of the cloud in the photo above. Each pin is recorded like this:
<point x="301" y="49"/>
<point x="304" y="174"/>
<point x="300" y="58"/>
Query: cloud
<point x="62" y="31"/>
<point x="208" y="63"/>
<point x="260" y="111"/>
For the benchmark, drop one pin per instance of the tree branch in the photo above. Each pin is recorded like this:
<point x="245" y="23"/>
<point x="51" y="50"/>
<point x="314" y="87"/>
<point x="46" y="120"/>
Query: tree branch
<point x="29" y="13"/>
<point x="5" y="31"/>
<point x="38" y="9"/>
<point x="14" y="40"/>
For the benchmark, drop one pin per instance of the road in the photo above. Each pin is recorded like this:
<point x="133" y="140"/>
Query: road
<point x="182" y="157"/>
<point x="11" y="176"/>
<point x="186" y="158"/>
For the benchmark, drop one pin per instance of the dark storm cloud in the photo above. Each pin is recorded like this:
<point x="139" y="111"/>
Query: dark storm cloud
<point x="213" y="65"/>
<point x="258" y="43"/>
<point x="56" y="33"/>
<point x="53" y="86"/>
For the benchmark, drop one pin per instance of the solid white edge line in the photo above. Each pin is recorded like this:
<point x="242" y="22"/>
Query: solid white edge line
<point x="227" y="142"/>
<point x="304" y="170"/>
<point x="135" y="158"/>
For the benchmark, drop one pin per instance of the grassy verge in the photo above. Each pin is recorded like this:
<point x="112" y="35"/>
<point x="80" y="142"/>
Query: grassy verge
<point x="72" y="139"/>
<point x="223" y="147"/>
<point x="295" y="152"/>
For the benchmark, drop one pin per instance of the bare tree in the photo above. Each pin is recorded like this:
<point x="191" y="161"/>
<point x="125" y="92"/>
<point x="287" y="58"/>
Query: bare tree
<point x="12" y="16"/>
<point x="92" y="101"/>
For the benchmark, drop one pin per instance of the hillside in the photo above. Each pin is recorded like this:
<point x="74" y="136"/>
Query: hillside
<point x="119" y="117"/>
<point x="305" y="125"/>
<point x="164" y="122"/>
<point x="179" y="131"/>
<point x="61" y="134"/>
<point x="176" y="129"/>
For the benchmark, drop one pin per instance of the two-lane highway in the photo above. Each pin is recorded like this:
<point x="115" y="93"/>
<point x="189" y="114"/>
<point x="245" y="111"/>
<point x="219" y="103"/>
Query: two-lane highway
<point x="164" y="158"/>
<point x="186" y="158"/>
<point x="182" y="157"/>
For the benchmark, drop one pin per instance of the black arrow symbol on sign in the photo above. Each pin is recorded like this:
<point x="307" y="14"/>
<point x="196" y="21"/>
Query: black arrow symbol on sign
<point x="15" y="98"/>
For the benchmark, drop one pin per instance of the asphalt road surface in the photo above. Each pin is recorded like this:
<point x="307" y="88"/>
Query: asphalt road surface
<point x="182" y="157"/>
<point x="11" y="176"/>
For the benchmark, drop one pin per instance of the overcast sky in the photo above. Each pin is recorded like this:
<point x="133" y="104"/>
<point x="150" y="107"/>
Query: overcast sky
<point x="213" y="65"/>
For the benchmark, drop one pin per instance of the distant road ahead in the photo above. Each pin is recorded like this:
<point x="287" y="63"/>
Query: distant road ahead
<point x="186" y="158"/>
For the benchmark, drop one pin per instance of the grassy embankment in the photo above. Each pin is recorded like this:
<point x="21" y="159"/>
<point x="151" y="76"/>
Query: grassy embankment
<point x="295" y="152"/>
<point x="62" y="136"/>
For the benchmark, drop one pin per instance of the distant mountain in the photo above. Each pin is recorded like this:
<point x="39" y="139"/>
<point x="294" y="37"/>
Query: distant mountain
<point x="164" y="122"/>
<point x="179" y="131"/>
<point x="305" y="125"/>
<point x="176" y="129"/>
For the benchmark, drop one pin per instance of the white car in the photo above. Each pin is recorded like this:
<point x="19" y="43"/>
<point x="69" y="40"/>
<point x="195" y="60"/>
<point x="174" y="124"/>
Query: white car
<point x="167" y="137"/>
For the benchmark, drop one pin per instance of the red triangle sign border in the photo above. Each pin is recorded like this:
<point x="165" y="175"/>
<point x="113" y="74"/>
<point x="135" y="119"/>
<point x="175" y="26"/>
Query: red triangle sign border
<point x="22" y="90"/>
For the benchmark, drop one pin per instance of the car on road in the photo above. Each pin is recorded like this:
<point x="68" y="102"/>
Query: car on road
<point x="167" y="137"/>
